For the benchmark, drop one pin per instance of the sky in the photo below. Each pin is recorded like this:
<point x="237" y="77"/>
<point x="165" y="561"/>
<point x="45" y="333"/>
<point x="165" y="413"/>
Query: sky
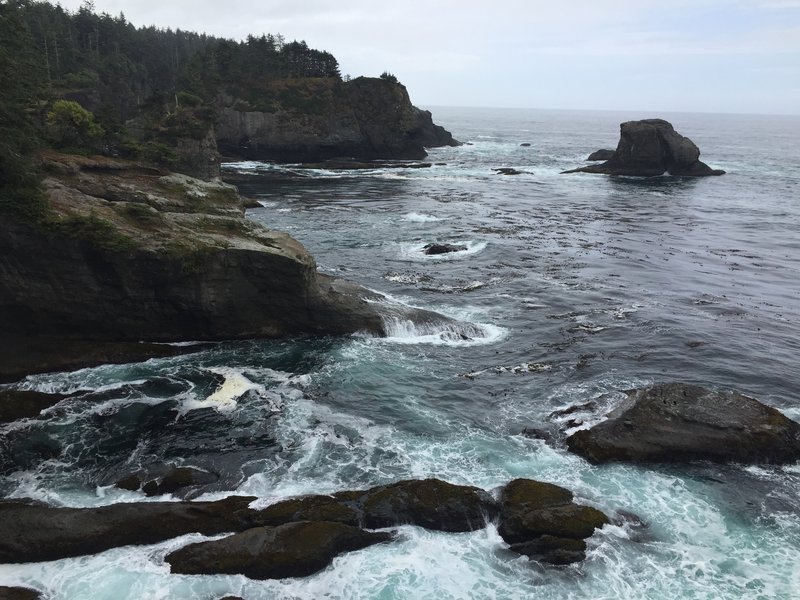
<point x="735" y="56"/>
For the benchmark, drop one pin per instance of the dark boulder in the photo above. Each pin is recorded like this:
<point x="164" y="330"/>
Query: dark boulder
<point x="435" y="249"/>
<point x="541" y="521"/>
<point x="649" y="148"/>
<point x="507" y="171"/>
<point x="676" y="423"/>
<point x="168" y="481"/>
<point x="291" y="550"/>
<point x="18" y="404"/>
<point x="525" y="145"/>
<point x="429" y="503"/>
<point x="19" y="593"/>
<point x="31" y="533"/>
<point x="602" y="154"/>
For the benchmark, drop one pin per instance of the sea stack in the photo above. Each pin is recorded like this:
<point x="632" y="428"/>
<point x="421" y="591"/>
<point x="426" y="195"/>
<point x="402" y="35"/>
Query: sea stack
<point x="650" y="148"/>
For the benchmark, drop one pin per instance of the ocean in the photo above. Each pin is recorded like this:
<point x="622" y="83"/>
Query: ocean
<point x="569" y="288"/>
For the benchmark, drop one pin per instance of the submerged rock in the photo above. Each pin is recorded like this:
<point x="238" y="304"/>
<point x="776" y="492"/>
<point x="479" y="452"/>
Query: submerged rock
<point x="679" y="423"/>
<point x="30" y="533"/>
<point x="292" y="550"/>
<point x="541" y="521"/>
<point x="167" y="482"/>
<point x="507" y="171"/>
<point x="649" y="148"/>
<point x="435" y="249"/>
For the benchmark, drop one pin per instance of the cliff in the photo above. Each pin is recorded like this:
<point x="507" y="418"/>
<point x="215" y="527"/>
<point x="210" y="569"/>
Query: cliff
<point x="313" y="119"/>
<point x="129" y="253"/>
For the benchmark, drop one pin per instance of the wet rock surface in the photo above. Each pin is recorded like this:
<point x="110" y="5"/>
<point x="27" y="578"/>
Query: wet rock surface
<point x="19" y="593"/>
<point x="168" y="480"/>
<point x="292" y="550"/>
<point x="541" y="521"/>
<point x="31" y="533"/>
<point x="675" y="423"/>
<point x="649" y="148"/>
<point x="602" y="154"/>
<point x="429" y="503"/>
<point x="436" y="249"/>
<point x="19" y="404"/>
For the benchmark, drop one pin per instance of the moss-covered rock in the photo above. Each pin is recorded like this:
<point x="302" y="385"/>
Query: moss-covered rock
<point x="536" y="518"/>
<point x="291" y="550"/>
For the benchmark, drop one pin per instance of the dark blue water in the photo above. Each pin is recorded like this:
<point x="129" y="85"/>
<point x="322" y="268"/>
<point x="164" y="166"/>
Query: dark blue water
<point x="576" y="286"/>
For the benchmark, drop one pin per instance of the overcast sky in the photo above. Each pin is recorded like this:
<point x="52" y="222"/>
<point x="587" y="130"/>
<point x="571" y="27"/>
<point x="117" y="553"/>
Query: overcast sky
<point x="676" y="55"/>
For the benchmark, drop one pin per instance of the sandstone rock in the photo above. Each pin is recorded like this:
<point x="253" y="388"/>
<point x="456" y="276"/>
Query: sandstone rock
<point x="679" y="423"/>
<point x="292" y="550"/>
<point x="30" y="533"/>
<point x="541" y="521"/>
<point x="130" y="255"/>
<point x="649" y="148"/>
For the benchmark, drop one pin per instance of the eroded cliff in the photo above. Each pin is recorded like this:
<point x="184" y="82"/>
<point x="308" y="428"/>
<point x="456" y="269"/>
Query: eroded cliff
<point x="313" y="119"/>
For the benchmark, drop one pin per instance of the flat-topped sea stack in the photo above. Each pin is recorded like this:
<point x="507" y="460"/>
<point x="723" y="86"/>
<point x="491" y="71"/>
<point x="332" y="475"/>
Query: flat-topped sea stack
<point x="650" y="148"/>
<point x="678" y="423"/>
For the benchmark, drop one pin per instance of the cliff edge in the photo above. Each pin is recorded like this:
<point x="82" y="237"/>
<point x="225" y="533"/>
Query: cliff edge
<point x="129" y="253"/>
<point x="314" y="119"/>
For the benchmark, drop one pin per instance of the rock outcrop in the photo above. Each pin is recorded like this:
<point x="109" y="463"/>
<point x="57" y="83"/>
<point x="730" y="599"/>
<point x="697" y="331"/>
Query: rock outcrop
<point x="21" y="404"/>
<point x="675" y="423"/>
<point x="292" y="550"/>
<point x="167" y="481"/>
<point x="436" y="249"/>
<point x="430" y="503"/>
<point x="541" y="521"/>
<point x="602" y="154"/>
<point x="19" y="593"/>
<point x="31" y="533"/>
<point x="126" y="253"/>
<point x="311" y="120"/>
<point x="649" y="148"/>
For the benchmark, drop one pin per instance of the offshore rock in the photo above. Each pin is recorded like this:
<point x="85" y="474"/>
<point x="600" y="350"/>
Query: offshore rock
<point x="676" y="423"/>
<point x="314" y="119"/>
<point x="541" y="521"/>
<point x="292" y="550"/>
<point x="435" y="249"/>
<point x="127" y="254"/>
<point x="30" y="533"/>
<point x="649" y="148"/>
<point x="430" y="503"/>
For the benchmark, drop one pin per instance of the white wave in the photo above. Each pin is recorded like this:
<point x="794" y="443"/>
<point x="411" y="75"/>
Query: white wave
<point x="443" y="333"/>
<point x="416" y="217"/>
<point x="415" y="251"/>
<point x="233" y="387"/>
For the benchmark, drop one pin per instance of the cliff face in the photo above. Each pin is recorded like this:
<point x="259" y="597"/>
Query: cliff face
<point x="130" y="254"/>
<point x="308" y="120"/>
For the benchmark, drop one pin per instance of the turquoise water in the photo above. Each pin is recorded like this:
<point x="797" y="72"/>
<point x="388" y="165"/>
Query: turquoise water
<point x="570" y="287"/>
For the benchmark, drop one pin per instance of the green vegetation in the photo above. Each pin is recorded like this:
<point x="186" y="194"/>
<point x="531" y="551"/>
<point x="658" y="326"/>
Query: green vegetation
<point x="71" y="125"/>
<point x="89" y="228"/>
<point x="88" y="82"/>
